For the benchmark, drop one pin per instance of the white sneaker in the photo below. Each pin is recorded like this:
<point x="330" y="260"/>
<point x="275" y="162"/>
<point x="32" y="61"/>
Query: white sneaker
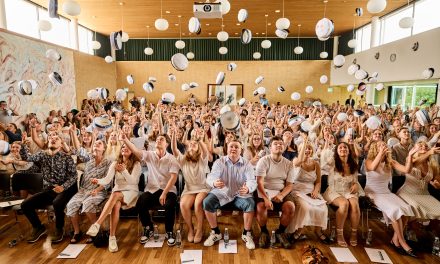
<point x="93" y="230"/>
<point x="249" y="240"/>
<point x="112" y="245"/>
<point x="213" y="237"/>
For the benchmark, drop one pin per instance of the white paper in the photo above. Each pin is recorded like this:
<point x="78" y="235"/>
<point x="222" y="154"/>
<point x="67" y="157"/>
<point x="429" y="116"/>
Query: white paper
<point x="343" y="254"/>
<point x="310" y="200"/>
<point x="270" y="193"/>
<point x="10" y="203"/>
<point x="191" y="256"/>
<point x="155" y="244"/>
<point x="378" y="255"/>
<point x="231" y="248"/>
<point x="71" y="251"/>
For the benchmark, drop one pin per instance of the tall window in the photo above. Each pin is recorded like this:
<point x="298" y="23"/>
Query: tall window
<point x="85" y="37"/>
<point x="59" y="34"/>
<point x="363" y="37"/>
<point x="22" y="17"/>
<point x="426" y="15"/>
<point x="390" y="25"/>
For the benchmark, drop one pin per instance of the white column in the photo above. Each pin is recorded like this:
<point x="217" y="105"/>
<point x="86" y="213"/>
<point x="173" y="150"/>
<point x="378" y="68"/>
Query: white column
<point x="74" y="39"/>
<point x="2" y="15"/>
<point x="113" y="53"/>
<point x="369" y="95"/>
<point x="335" y="45"/>
<point x="375" y="32"/>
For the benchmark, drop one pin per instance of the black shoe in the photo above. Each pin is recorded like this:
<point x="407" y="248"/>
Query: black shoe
<point x="58" y="236"/>
<point x="324" y="239"/>
<point x="399" y="249"/>
<point x="263" y="242"/>
<point x="76" y="238"/>
<point x="171" y="239"/>
<point x="146" y="235"/>
<point x="410" y="253"/>
<point x="283" y="239"/>
<point x="36" y="234"/>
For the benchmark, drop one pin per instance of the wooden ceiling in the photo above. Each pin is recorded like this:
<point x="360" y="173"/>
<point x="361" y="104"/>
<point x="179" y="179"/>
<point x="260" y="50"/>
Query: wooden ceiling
<point x="105" y="16"/>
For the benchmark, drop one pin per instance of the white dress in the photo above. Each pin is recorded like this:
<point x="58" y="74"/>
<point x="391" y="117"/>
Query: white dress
<point x="194" y="175"/>
<point x="415" y="193"/>
<point x="339" y="186"/>
<point x="308" y="211"/>
<point x="391" y="205"/>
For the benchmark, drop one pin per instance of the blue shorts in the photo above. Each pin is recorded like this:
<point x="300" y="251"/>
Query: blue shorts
<point x="211" y="204"/>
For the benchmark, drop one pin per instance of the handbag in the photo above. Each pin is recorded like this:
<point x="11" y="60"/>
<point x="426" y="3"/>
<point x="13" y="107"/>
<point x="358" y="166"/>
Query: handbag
<point x="101" y="239"/>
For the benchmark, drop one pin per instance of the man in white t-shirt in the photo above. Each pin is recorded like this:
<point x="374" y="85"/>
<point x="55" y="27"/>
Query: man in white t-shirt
<point x="274" y="183"/>
<point x="160" y="187"/>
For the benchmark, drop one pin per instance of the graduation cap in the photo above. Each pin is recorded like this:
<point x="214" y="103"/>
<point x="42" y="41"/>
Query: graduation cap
<point x="259" y="80"/>
<point x="185" y="87"/>
<point x="194" y="25"/>
<point x="358" y="113"/>
<point x="27" y="86"/>
<point x="168" y="98"/>
<point x="179" y="62"/>
<point x="422" y="117"/>
<point x="171" y="77"/>
<point x="232" y="66"/>
<point x="56" y="79"/>
<point x="282" y="33"/>
<point x="130" y="79"/>
<point x="102" y="123"/>
<point x="241" y="102"/>
<point x="281" y="89"/>
<point x="242" y="15"/>
<point x="373" y="122"/>
<point x="4" y="148"/>
<point x="116" y="40"/>
<point x="246" y="36"/>
<point x="148" y="87"/>
<point x="193" y="85"/>
<point x="53" y="55"/>
<point x="53" y="9"/>
<point x="120" y="95"/>
<point x="220" y="78"/>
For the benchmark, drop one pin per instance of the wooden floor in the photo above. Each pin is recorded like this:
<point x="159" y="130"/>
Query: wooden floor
<point x="130" y="251"/>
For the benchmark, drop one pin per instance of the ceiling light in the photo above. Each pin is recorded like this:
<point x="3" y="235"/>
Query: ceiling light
<point x="168" y="12"/>
<point x="277" y="11"/>
<point x="210" y="33"/>
<point x="236" y="33"/>
<point x="269" y="24"/>
<point x="238" y="24"/>
<point x="207" y="24"/>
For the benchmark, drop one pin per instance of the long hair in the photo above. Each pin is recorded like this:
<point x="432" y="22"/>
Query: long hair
<point x="352" y="164"/>
<point x="432" y="161"/>
<point x="109" y="149"/>
<point x="195" y="157"/>
<point x="374" y="151"/>
<point x="130" y="161"/>
<point x="254" y="150"/>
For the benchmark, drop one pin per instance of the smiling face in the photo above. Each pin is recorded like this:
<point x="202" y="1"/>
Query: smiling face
<point x="377" y="135"/>
<point x="125" y="151"/>
<point x="54" y="141"/>
<point x="87" y="137"/>
<point x="161" y="142"/>
<point x="308" y="152"/>
<point x="193" y="146"/>
<point x="15" y="148"/>
<point x="98" y="148"/>
<point x="277" y="147"/>
<point x="404" y="133"/>
<point x="256" y="141"/>
<point x="343" y="150"/>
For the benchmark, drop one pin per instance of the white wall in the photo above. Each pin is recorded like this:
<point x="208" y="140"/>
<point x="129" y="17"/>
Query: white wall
<point x="408" y="66"/>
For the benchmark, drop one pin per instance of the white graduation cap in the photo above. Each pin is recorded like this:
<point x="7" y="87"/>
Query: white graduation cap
<point x="351" y="70"/>
<point x="148" y="87"/>
<point x="194" y="25"/>
<point x="93" y="94"/>
<point x="168" y="98"/>
<point x="359" y="11"/>
<point x="379" y="86"/>
<point x="179" y="62"/>
<point x="295" y="96"/>
<point x="102" y="123"/>
<point x="281" y="89"/>
<point x="428" y="73"/>
<point x="53" y="55"/>
<point x="323" y="79"/>
<point x="232" y="66"/>
<point x="259" y="80"/>
<point x="422" y="117"/>
<point x="309" y="89"/>
<point x="56" y="79"/>
<point x="361" y="74"/>
<point x="282" y="33"/>
<point x="26" y="87"/>
<point x="255" y="93"/>
<point x="350" y="88"/>
<point x="220" y="78"/>
<point x="295" y="121"/>
<point x="4" y="147"/>
<point x="339" y="61"/>
<point x="120" y="94"/>
<point x="103" y="92"/>
<point x="171" y="77"/>
<point x="362" y="87"/>
<point x="130" y="79"/>
<point x="185" y="87"/>
<point x="261" y="90"/>
<point x="246" y="36"/>
<point x="224" y="109"/>
<point x="306" y="126"/>
<point x="242" y="15"/>
<point x="324" y="28"/>
<point x="241" y="102"/>
<point x="373" y="122"/>
<point x="193" y="85"/>
<point x="316" y="104"/>
<point x="116" y="40"/>
<point x="342" y="117"/>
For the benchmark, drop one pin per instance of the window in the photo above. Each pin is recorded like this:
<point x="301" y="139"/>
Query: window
<point x="410" y="96"/>
<point x="22" y="17"/>
<point x="391" y="31"/>
<point x="426" y="15"/>
<point x="363" y="37"/>
<point x="59" y="34"/>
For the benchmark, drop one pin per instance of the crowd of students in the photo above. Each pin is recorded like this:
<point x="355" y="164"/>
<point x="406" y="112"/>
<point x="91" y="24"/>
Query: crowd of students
<point x="272" y="162"/>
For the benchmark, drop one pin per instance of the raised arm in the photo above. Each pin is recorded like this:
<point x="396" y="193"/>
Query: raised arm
<point x="137" y="152"/>
<point x="408" y="165"/>
<point x="300" y="159"/>
<point x="174" y="148"/>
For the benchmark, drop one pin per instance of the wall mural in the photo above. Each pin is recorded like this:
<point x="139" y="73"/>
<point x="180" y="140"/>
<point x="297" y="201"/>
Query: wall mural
<point x="25" y="59"/>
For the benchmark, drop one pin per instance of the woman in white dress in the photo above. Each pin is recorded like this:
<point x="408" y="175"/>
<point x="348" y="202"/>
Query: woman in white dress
<point x="343" y="192"/>
<point x="194" y="166"/>
<point x="113" y="146"/>
<point x="255" y="149"/>
<point x="415" y="190"/>
<point x="311" y="208"/>
<point x="126" y="172"/>
<point x="379" y="165"/>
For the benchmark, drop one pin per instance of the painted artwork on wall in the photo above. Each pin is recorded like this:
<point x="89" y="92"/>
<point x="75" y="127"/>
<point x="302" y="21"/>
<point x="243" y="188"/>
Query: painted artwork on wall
<point x="25" y="59"/>
<point x="226" y="94"/>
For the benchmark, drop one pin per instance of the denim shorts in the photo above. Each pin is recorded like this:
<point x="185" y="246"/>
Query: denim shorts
<point x="211" y="204"/>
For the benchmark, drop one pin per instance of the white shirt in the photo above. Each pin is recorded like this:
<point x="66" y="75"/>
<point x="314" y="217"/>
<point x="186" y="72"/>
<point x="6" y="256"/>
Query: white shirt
<point x="159" y="170"/>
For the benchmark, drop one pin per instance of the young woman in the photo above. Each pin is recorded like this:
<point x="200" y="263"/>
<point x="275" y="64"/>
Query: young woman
<point x="306" y="189"/>
<point x="126" y="172"/>
<point x="194" y="166"/>
<point x="343" y="191"/>
<point x="415" y="190"/>
<point x="379" y="165"/>
<point x="255" y="149"/>
<point x="88" y="197"/>
<point x="113" y="146"/>
<point x="291" y="151"/>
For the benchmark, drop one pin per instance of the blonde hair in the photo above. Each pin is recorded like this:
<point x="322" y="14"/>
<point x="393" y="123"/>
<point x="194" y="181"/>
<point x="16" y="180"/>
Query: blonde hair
<point x="374" y="151"/>
<point x="432" y="162"/>
<point x="109" y="151"/>
<point x="308" y="145"/>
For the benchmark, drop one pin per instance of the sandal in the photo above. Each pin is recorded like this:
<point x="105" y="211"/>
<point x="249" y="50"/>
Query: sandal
<point x="76" y="238"/>
<point x="89" y="240"/>
<point x="398" y="249"/>
<point x="353" y="237"/>
<point x="340" y="238"/>
<point x="324" y="239"/>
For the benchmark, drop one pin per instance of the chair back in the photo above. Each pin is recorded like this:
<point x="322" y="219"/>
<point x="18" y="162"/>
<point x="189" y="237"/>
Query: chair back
<point x="27" y="181"/>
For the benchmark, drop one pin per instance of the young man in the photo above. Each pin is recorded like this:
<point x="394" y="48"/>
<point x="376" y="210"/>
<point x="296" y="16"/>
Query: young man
<point x="275" y="180"/>
<point x="59" y="185"/>
<point x="400" y="151"/>
<point x="233" y="181"/>
<point x="160" y="186"/>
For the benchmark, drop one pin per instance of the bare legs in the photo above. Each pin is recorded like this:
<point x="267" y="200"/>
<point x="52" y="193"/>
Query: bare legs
<point x="398" y="238"/>
<point x="186" y="203"/>
<point x="344" y="206"/>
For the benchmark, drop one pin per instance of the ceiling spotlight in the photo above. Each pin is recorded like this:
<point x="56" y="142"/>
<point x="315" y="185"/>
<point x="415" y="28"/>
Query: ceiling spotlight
<point x="277" y="11"/>
<point x="168" y="12"/>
